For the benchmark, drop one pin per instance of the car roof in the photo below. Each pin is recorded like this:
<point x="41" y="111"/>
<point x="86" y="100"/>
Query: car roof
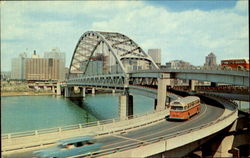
<point x="75" y="140"/>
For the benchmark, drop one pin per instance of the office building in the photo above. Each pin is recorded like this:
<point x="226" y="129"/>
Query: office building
<point x="210" y="60"/>
<point x="17" y="67"/>
<point x="42" y="69"/>
<point x="55" y="53"/>
<point x="156" y="55"/>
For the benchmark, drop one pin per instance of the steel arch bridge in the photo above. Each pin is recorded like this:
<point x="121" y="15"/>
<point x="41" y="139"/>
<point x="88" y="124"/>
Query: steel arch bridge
<point x="103" y="53"/>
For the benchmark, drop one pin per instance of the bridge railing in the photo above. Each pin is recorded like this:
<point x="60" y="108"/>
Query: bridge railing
<point x="66" y="128"/>
<point x="160" y="138"/>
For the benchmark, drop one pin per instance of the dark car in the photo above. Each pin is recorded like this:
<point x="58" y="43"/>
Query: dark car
<point x="70" y="147"/>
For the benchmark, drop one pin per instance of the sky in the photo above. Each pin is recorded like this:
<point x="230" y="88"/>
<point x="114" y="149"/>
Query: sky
<point x="183" y="30"/>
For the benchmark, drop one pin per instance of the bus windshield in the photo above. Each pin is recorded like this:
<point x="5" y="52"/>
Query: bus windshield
<point x="177" y="108"/>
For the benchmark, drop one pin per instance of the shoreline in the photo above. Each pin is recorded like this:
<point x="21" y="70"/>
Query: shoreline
<point x="13" y="94"/>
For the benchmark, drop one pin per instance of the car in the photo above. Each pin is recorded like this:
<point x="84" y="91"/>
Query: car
<point x="69" y="147"/>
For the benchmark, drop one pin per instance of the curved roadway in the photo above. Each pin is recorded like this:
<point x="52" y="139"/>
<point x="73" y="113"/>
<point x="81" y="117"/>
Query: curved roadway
<point x="208" y="113"/>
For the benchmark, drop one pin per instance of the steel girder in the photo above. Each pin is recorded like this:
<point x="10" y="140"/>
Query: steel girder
<point x="118" y="44"/>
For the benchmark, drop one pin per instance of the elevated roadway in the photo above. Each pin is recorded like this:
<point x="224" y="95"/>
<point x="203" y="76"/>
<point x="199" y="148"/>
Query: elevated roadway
<point x="128" y="143"/>
<point x="240" y="78"/>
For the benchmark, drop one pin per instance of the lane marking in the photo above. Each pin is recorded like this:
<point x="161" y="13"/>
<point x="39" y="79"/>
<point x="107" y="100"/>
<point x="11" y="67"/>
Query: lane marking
<point x="137" y="140"/>
<point x="198" y="116"/>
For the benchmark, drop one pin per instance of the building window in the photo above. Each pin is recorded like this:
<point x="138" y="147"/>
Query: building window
<point x="50" y="62"/>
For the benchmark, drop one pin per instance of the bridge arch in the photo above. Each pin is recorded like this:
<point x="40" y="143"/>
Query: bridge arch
<point x="98" y="53"/>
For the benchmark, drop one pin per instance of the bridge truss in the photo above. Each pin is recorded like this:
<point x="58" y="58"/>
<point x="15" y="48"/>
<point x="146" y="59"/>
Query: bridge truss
<point x="102" y="53"/>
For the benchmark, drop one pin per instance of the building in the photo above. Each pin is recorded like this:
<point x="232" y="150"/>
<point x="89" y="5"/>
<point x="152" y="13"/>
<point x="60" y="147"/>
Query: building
<point x="6" y="75"/>
<point x="51" y="67"/>
<point x="156" y="55"/>
<point x="42" y="69"/>
<point x="17" y="67"/>
<point x="175" y="64"/>
<point x="210" y="60"/>
<point x="55" y="53"/>
<point x="95" y="67"/>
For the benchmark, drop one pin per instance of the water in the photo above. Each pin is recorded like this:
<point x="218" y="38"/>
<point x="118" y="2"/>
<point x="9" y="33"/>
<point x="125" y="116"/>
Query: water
<point x="24" y="113"/>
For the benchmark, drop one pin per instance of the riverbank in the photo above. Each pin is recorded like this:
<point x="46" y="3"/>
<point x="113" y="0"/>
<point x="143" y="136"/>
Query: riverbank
<point x="31" y="93"/>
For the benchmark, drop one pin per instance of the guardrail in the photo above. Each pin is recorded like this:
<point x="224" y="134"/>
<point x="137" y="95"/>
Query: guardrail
<point x="99" y="124"/>
<point x="66" y="128"/>
<point x="157" y="139"/>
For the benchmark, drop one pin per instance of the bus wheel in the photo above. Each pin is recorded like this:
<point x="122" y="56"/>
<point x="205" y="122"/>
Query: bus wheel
<point x="240" y="68"/>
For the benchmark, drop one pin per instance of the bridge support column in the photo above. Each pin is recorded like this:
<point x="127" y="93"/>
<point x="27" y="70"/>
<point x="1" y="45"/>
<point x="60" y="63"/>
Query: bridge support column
<point x="161" y="93"/>
<point x="83" y="91"/>
<point x="68" y="91"/>
<point x="113" y="91"/>
<point x="192" y="85"/>
<point x="93" y="91"/>
<point x="58" y="88"/>
<point x="218" y="148"/>
<point x="125" y="106"/>
<point x="44" y="88"/>
<point x="53" y="89"/>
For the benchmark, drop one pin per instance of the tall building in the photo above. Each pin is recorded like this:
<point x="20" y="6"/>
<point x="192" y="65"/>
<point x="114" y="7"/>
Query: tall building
<point x="17" y="67"/>
<point x="55" y="53"/>
<point x="42" y="69"/>
<point x="156" y="55"/>
<point x="210" y="60"/>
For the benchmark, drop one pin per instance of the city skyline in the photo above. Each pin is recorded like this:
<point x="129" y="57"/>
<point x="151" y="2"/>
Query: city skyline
<point x="179" y="32"/>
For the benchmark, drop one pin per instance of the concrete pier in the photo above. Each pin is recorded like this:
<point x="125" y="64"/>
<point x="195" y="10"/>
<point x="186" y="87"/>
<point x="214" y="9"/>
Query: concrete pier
<point x="93" y="91"/>
<point x="125" y="106"/>
<point x="58" y="88"/>
<point x="161" y="93"/>
<point x="192" y="85"/>
<point x="83" y="91"/>
<point x="53" y="89"/>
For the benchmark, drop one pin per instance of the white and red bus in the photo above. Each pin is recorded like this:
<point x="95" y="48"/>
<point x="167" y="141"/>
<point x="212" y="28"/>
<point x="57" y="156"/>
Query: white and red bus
<point x="237" y="64"/>
<point x="184" y="108"/>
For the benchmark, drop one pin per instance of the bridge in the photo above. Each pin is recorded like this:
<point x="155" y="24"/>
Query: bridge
<point x="111" y="60"/>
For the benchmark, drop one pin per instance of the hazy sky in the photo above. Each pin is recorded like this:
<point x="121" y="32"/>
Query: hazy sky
<point x="186" y="30"/>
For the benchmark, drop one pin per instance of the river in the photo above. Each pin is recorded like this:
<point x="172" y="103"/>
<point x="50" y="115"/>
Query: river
<point x="25" y="113"/>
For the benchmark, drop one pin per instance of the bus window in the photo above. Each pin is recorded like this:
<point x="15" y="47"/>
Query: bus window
<point x="176" y="108"/>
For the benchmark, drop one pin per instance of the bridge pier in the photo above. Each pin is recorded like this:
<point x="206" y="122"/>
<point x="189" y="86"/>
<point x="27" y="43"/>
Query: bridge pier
<point x="125" y="106"/>
<point x="83" y="91"/>
<point x="192" y="84"/>
<point x="218" y="147"/>
<point x="67" y="92"/>
<point x="161" y="93"/>
<point x="58" y="88"/>
<point x="229" y="143"/>
<point x="53" y="89"/>
<point x="93" y="91"/>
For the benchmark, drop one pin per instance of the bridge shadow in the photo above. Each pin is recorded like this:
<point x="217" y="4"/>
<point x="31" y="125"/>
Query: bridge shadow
<point x="79" y="101"/>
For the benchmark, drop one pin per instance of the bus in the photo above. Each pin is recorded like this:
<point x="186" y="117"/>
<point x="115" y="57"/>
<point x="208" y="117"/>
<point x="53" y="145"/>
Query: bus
<point x="184" y="108"/>
<point x="237" y="64"/>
